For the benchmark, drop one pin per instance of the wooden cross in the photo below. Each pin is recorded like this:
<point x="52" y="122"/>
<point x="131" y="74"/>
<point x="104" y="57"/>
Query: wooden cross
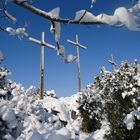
<point x="78" y="59"/>
<point x="113" y="63"/>
<point x="43" y="44"/>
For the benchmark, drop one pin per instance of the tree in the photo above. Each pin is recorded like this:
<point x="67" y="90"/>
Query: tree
<point x="5" y="85"/>
<point x="114" y="98"/>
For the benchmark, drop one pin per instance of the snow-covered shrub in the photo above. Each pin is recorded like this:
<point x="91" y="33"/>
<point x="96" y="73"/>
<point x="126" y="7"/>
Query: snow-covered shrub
<point x="91" y="110"/>
<point x="115" y="98"/>
<point x="5" y="85"/>
<point x="26" y="117"/>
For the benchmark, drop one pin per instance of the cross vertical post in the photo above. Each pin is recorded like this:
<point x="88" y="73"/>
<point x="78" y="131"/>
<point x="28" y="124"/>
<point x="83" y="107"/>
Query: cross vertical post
<point x="78" y="59"/>
<point x="43" y="44"/>
<point x="112" y="62"/>
<point x="42" y="66"/>
<point x="78" y="64"/>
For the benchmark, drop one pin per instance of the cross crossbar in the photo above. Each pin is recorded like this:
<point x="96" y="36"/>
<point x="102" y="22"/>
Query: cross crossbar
<point x="40" y="43"/>
<point x="76" y="44"/>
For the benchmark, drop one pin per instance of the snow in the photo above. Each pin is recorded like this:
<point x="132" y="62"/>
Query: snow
<point x="3" y="74"/>
<point x="61" y="134"/>
<point x="92" y="2"/>
<point x="135" y="8"/>
<point x="35" y="122"/>
<point x="10" y="118"/>
<point x="9" y="137"/>
<point x="54" y="13"/>
<point x="61" y="51"/>
<point x="56" y="28"/>
<point x="88" y="17"/>
<point x="121" y="17"/>
<point x="99" y="134"/>
<point x="130" y="118"/>
<point x="107" y="19"/>
<point x="126" y="18"/>
<point x="137" y="78"/>
<point x="129" y="121"/>
<point x="19" y="32"/>
<point x="36" y="136"/>
<point x="125" y="93"/>
<point x="7" y="114"/>
<point x="51" y="93"/>
<point x="71" y="58"/>
<point x="3" y="92"/>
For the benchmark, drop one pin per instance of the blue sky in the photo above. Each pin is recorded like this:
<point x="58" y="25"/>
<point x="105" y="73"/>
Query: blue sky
<point x="22" y="57"/>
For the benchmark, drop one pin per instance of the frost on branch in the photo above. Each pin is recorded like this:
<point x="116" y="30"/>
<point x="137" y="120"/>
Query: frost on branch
<point x="19" y="32"/>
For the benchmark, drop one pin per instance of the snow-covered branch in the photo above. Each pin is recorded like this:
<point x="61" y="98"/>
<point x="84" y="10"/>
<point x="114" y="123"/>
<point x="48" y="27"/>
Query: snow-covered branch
<point x="45" y="15"/>
<point x="121" y="17"/>
<point x="19" y="32"/>
<point x="129" y="18"/>
<point x="6" y="13"/>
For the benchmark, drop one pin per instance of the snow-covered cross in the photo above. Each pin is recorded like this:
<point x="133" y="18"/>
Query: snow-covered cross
<point x="43" y="44"/>
<point x="113" y="63"/>
<point x="78" y="59"/>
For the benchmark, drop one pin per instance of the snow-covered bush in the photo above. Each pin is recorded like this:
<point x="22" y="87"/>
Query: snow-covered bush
<point x="5" y="85"/>
<point x="91" y="110"/>
<point x="115" y="98"/>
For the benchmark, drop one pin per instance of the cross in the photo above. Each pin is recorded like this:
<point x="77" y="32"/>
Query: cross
<point x="113" y="63"/>
<point x="43" y="44"/>
<point x="78" y="59"/>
